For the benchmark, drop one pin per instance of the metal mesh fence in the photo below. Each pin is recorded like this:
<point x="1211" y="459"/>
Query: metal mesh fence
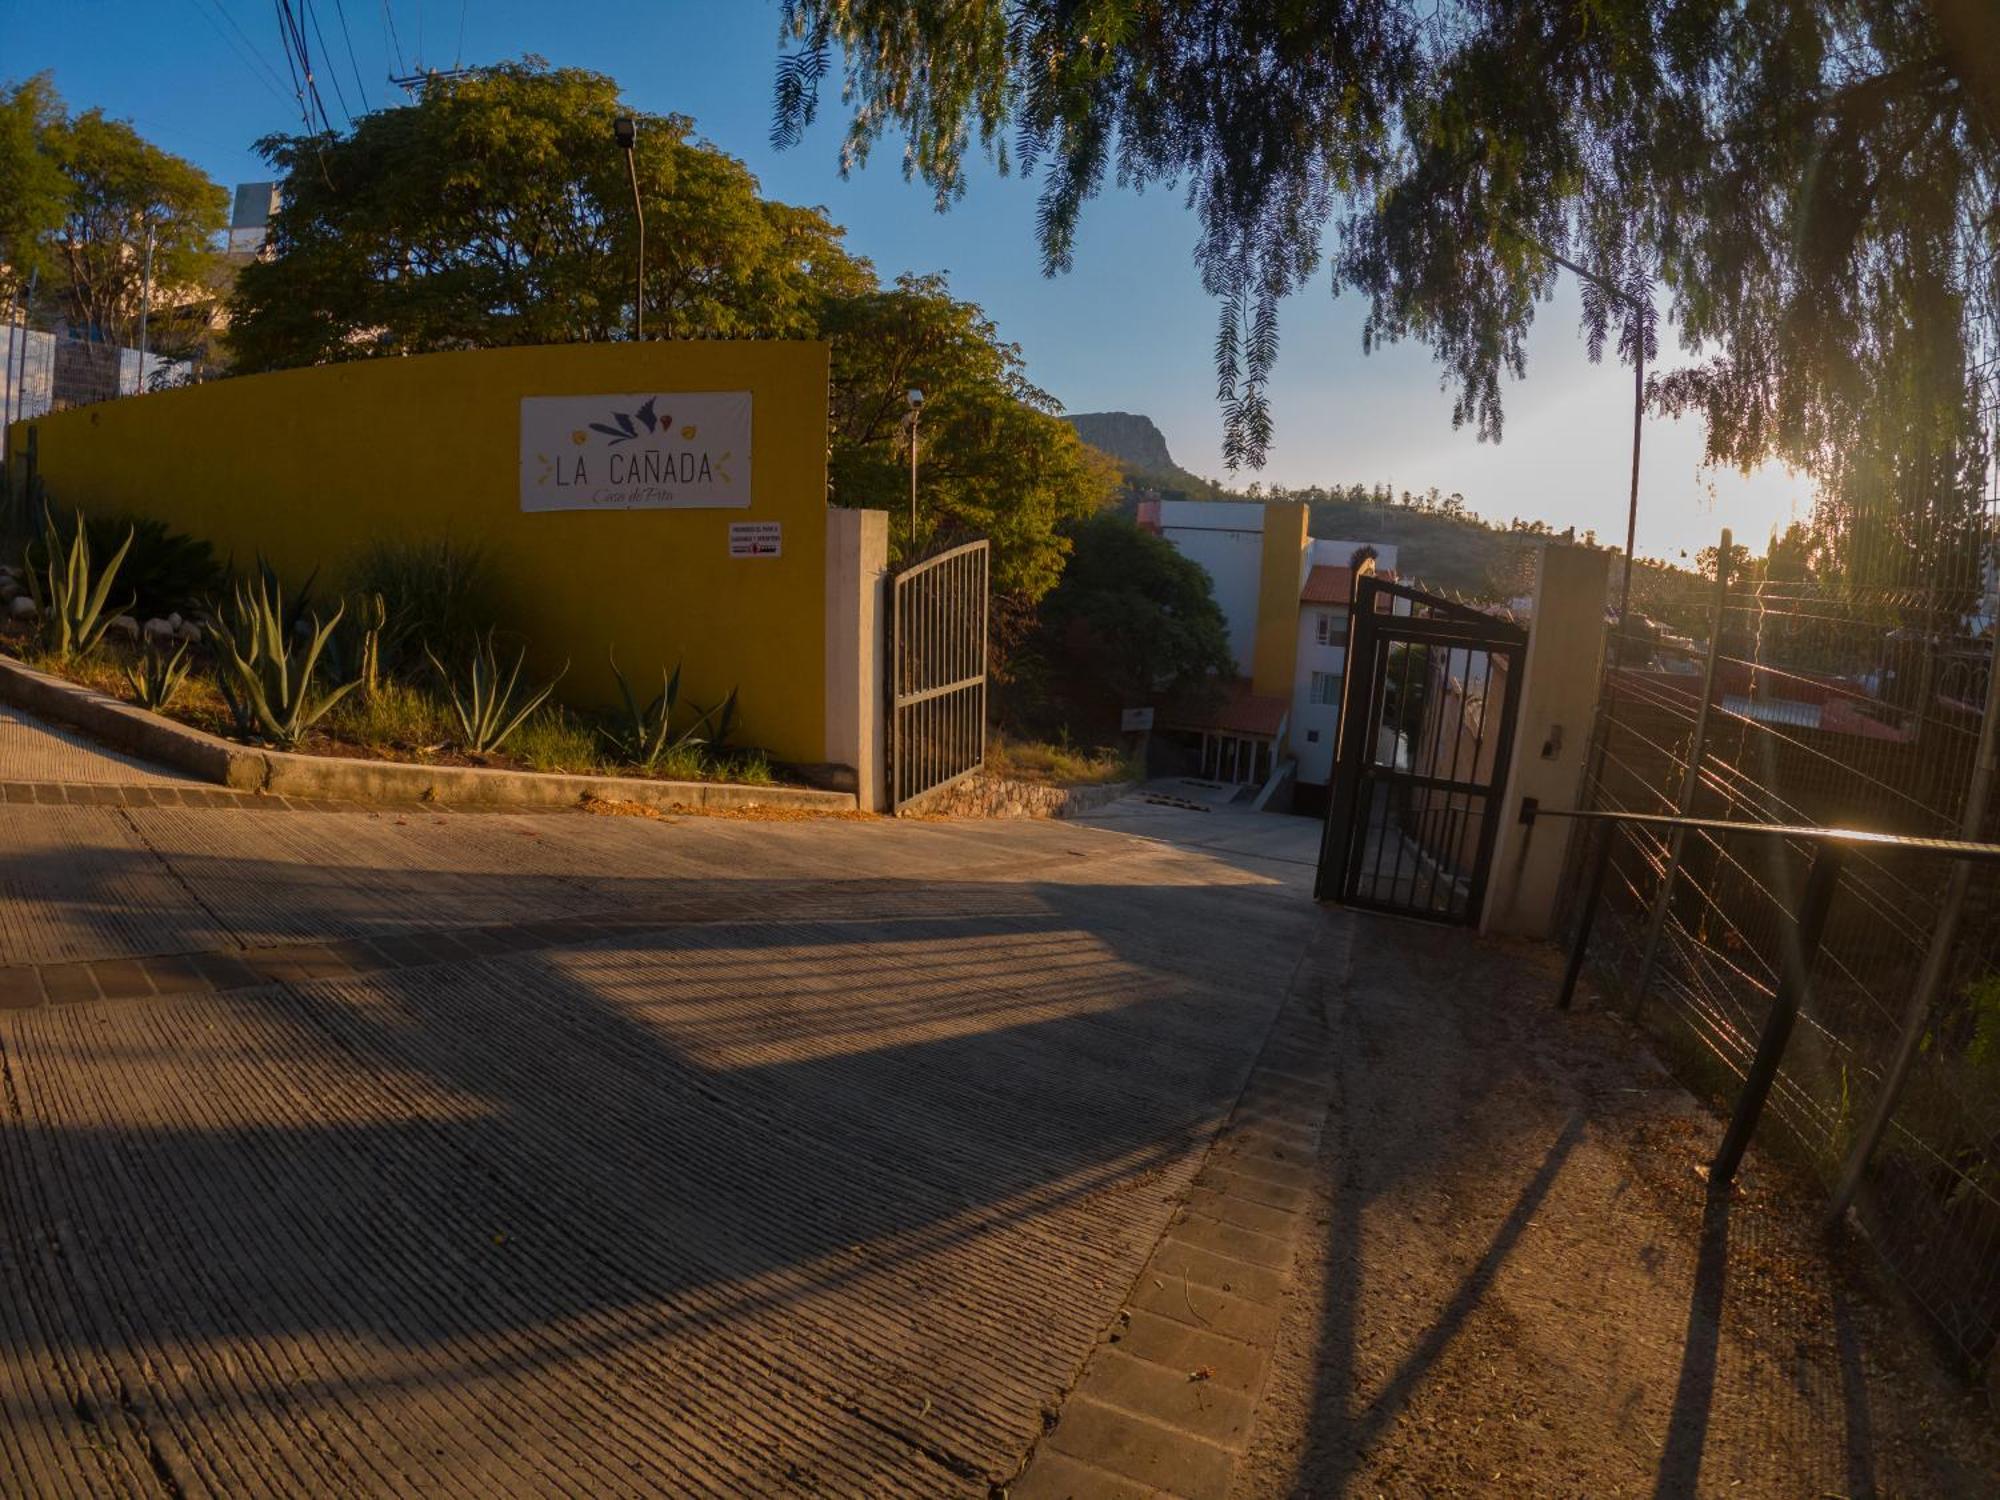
<point x="44" y="370"/>
<point x="1833" y="706"/>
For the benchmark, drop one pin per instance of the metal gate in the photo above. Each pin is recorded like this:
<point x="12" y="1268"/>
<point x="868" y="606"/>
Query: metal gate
<point x="1426" y="736"/>
<point x="937" y="672"/>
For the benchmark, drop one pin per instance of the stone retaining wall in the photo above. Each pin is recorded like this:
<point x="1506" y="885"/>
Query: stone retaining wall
<point x="983" y="796"/>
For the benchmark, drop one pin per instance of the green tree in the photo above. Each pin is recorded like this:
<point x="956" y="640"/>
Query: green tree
<point x="32" y="189"/>
<point x="994" y="460"/>
<point x="1807" y="187"/>
<point x="496" y="209"/>
<point x="1132" y="617"/>
<point x="120" y="190"/>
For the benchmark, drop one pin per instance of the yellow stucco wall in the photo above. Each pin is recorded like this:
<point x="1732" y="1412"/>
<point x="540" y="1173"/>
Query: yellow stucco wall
<point x="309" y="466"/>
<point x="1274" y="657"/>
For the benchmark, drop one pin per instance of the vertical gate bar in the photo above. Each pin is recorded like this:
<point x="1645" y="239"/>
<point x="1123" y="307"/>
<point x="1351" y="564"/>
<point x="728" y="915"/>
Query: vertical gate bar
<point x="1452" y="798"/>
<point x="1330" y="881"/>
<point x="1800" y="952"/>
<point x="1586" y="918"/>
<point x="1402" y="722"/>
<point x="1490" y="815"/>
<point x="1656" y="924"/>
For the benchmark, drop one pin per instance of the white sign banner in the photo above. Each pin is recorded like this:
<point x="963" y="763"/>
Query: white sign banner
<point x="756" y="539"/>
<point x="685" y="451"/>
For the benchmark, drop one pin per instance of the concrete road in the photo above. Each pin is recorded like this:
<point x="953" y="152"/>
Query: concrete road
<point x="400" y="1151"/>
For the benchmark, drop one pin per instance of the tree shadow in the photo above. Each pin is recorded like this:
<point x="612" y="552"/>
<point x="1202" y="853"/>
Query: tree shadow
<point x="861" y="1168"/>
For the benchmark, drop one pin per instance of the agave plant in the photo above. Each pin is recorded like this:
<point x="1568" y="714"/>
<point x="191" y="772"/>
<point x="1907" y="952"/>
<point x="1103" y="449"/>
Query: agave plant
<point x="358" y="649"/>
<point x="157" y="677"/>
<point x="646" y="734"/>
<point x="268" y="672"/>
<point x="488" y="708"/>
<point x="69" y="594"/>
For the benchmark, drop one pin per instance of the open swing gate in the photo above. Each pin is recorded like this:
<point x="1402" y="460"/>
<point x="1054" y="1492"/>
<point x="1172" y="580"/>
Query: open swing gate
<point x="1426" y="736"/>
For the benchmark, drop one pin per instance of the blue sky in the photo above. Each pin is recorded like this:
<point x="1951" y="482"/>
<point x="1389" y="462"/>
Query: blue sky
<point x="1129" y="329"/>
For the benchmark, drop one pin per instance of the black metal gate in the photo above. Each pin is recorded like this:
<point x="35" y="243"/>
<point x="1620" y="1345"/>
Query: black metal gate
<point x="937" y="672"/>
<point x="1426" y="736"/>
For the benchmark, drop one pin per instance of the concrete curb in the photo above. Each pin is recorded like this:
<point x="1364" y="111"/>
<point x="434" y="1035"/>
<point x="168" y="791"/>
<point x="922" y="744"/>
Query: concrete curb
<point x="134" y="731"/>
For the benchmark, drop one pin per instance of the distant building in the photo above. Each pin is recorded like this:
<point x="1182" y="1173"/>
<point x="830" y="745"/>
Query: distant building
<point x="1284" y="596"/>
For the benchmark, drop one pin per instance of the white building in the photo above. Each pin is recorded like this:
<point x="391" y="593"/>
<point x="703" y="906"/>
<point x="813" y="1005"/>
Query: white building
<point x="1284" y="596"/>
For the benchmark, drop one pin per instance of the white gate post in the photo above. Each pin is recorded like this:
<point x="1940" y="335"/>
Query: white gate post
<point x="1561" y="675"/>
<point x="857" y="567"/>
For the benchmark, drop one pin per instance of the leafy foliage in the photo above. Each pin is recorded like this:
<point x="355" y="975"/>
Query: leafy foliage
<point x="156" y="677"/>
<point x="80" y="194"/>
<point x="70" y="590"/>
<point x="167" y="571"/>
<point x="1132" y="617"/>
<point x="490" y="708"/>
<point x="994" y="459"/>
<point x="493" y="210"/>
<point x="1807" y="188"/>
<point x="644" y="736"/>
<point x="435" y="594"/>
<point x="268" y="677"/>
<point x="32" y="187"/>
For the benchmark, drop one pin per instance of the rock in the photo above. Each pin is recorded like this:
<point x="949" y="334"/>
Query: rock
<point x="158" y="631"/>
<point x="123" y="625"/>
<point x="174" y="620"/>
<point x="21" y="607"/>
<point x="189" y="632"/>
<point x="10" y="589"/>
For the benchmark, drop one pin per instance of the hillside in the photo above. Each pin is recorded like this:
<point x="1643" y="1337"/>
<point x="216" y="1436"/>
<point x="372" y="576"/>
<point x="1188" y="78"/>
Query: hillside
<point x="1440" y="546"/>
<point x="1140" y="449"/>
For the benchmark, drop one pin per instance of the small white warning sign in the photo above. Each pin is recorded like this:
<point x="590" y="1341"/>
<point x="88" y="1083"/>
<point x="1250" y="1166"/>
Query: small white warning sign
<point x="756" y="538"/>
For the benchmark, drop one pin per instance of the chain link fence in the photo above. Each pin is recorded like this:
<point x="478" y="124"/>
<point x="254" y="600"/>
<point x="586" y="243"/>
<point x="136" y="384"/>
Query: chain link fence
<point x="1834" y="706"/>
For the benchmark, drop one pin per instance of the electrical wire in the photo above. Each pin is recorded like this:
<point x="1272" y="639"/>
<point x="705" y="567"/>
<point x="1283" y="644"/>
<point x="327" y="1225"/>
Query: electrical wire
<point x="244" y="49"/>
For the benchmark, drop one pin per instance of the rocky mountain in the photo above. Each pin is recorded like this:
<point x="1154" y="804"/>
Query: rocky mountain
<point x="1127" y="436"/>
<point x="1140" y="449"/>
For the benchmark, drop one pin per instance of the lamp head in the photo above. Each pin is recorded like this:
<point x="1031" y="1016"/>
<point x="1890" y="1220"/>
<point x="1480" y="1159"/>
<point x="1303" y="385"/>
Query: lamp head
<point x="626" y="130"/>
<point x="916" y="398"/>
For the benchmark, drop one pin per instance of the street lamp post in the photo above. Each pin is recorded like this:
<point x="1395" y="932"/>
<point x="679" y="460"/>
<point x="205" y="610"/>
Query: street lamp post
<point x="916" y="400"/>
<point x="626" y="130"/>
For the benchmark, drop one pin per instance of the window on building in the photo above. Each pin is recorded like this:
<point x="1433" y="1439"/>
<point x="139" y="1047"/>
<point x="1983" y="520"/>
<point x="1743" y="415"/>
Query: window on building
<point x="1324" y="688"/>
<point x="1331" y="626"/>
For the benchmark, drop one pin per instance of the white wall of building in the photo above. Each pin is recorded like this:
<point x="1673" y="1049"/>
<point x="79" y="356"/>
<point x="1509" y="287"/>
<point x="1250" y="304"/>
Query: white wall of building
<point x="1316" y="725"/>
<point x="1227" y="539"/>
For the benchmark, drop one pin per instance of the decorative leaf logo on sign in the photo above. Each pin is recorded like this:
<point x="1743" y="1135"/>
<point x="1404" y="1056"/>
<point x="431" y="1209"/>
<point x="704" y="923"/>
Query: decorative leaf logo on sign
<point x="626" y="429"/>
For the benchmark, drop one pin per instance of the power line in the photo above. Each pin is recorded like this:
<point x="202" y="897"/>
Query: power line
<point x="389" y="34"/>
<point x="311" y="16"/>
<point x="340" y="10"/>
<point x="244" y="50"/>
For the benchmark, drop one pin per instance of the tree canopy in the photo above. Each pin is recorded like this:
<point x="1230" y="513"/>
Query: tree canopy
<point x="994" y="459"/>
<point x="496" y="209"/>
<point x="79" y="196"/>
<point x="1131" y="618"/>
<point x="1808" y="188"/>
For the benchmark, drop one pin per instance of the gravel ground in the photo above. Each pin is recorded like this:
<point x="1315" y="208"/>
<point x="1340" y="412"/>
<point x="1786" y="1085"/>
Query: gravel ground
<point x="1517" y="1283"/>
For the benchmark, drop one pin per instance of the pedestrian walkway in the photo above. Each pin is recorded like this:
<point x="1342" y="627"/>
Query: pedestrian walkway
<point x="31" y="751"/>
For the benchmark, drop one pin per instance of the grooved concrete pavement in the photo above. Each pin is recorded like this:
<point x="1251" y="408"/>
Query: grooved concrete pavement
<point x="33" y="751"/>
<point x="787" y="1158"/>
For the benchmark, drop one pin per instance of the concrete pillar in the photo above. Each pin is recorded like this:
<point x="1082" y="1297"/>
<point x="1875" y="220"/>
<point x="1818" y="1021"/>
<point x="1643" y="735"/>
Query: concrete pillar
<point x="857" y="571"/>
<point x="1559" y="687"/>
